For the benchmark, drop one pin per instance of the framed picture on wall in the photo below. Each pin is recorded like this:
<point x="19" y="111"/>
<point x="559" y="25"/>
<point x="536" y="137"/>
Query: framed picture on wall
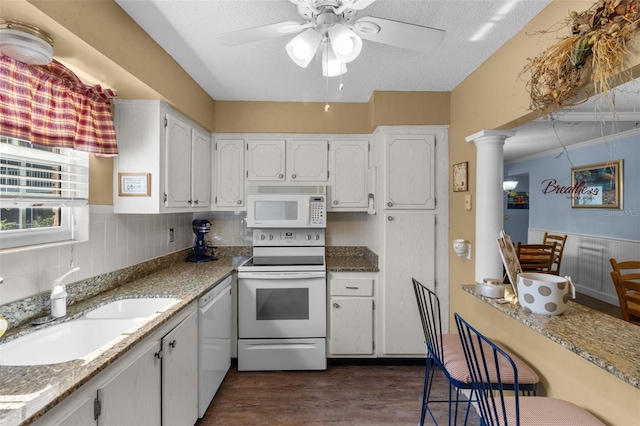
<point x="597" y="185"/>
<point x="460" y="173"/>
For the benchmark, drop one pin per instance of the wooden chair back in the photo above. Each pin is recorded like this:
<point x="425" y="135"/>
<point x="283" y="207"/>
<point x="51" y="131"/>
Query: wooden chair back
<point x="560" y="241"/>
<point x="626" y="279"/>
<point x="536" y="257"/>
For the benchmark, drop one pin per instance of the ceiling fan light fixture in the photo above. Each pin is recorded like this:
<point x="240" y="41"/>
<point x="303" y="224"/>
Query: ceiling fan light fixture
<point x="331" y="65"/>
<point x="302" y="48"/>
<point x="25" y="43"/>
<point x="346" y="44"/>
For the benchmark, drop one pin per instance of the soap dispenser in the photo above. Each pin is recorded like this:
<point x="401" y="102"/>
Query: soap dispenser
<point x="59" y="295"/>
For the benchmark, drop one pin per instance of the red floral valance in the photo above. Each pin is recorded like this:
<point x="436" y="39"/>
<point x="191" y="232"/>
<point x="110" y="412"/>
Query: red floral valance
<point x="49" y="105"/>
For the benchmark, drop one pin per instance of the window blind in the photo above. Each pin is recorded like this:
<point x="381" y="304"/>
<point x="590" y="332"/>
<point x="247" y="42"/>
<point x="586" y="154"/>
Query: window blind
<point x="33" y="175"/>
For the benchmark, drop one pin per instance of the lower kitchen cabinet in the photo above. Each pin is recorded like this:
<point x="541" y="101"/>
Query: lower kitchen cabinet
<point x="155" y="383"/>
<point x="180" y="374"/>
<point x="351" y="314"/>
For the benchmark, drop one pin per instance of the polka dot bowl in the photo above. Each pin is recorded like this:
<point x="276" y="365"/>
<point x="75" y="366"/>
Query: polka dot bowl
<point x="543" y="293"/>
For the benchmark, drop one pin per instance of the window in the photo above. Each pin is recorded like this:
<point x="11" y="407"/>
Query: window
<point x="39" y="187"/>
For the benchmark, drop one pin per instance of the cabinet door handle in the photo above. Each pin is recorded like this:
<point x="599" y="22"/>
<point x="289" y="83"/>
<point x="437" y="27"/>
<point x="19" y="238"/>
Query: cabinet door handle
<point x="280" y="176"/>
<point x="335" y="305"/>
<point x="158" y="354"/>
<point x="173" y="344"/>
<point x="390" y="204"/>
<point x="239" y="202"/>
<point x="293" y="176"/>
<point x="352" y="287"/>
<point x="335" y="202"/>
<point x="195" y="202"/>
<point x="390" y="218"/>
<point x="190" y="201"/>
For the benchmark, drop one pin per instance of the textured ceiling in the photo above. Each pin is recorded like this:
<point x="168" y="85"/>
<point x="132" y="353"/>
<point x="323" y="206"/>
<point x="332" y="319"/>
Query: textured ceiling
<point x="262" y="71"/>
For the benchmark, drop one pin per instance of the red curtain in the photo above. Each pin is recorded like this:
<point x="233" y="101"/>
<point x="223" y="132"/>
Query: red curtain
<point x="49" y="105"/>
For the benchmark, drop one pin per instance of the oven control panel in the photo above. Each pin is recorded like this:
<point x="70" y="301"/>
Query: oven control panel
<point x="288" y="237"/>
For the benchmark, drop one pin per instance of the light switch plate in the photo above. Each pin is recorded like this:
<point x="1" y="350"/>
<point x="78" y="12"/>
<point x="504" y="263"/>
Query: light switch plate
<point x="467" y="202"/>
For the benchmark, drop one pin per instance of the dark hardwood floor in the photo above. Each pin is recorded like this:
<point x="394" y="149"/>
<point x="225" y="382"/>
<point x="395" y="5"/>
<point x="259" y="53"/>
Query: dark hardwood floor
<point x="341" y="395"/>
<point x="598" y="305"/>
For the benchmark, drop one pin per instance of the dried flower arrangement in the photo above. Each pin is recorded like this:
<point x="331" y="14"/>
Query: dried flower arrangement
<point x="593" y="53"/>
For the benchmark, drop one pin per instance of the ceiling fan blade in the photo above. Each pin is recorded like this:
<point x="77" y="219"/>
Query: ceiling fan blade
<point x="355" y="4"/>
<point x="251" y="35"/>
<point x="400" y="34"/>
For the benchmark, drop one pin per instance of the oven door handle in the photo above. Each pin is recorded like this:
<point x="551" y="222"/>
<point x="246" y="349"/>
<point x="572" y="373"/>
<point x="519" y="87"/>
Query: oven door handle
<point x="282" y="275"/>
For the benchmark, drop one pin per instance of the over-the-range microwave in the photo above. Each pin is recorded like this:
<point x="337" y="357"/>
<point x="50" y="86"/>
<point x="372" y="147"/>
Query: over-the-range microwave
<point x="287" y="207"/>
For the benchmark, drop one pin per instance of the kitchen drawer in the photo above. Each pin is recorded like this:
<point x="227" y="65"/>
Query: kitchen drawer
<point x="352" y="287"/>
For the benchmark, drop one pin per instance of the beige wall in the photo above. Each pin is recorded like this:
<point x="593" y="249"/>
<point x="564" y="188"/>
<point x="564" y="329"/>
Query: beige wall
<point x="493" y="98"/>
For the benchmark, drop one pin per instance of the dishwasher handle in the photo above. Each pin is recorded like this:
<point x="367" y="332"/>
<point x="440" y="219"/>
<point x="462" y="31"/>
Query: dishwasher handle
<point x="206" y="304"/>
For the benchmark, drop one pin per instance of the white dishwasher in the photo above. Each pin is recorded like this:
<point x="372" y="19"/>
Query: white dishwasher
<point x="214" y="342"/>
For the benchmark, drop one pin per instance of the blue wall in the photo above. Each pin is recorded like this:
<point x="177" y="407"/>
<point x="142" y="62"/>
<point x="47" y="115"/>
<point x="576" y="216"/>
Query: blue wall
<point x="553" y="212"/>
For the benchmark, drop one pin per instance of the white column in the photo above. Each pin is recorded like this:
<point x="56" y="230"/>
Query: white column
<point x="489" y="202"/>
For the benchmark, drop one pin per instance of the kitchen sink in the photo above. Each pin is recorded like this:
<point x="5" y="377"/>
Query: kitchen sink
<point x="99" y="329"/>
<point x="131" y="308"/>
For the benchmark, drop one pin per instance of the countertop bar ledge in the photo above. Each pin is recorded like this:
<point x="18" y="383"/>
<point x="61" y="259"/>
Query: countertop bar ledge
<point x="608" y="342"/>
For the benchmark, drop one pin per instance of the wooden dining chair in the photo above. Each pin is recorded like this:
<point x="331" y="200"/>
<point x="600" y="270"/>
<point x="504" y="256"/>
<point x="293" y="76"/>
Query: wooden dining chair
<point x="560" y="241"/>
<point x="490" y="366"/>
<point x="444" y="351"/>
<point x="626" y="279"/>
<point x="536" y="257"/>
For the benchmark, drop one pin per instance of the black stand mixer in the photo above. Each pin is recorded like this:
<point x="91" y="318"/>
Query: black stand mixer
<point x="201" y="227"/>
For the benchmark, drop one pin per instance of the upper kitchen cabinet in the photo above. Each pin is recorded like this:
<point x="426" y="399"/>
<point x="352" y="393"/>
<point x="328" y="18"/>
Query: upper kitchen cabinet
<point x="229" y="166"/>
<point x="286" y="160"/>
<point x="266" y="160"/>
<point x="164" y="160"/>
<point x="348" y="175"/>
<point x="409" y="171"/>
<point x="307" y="160"/>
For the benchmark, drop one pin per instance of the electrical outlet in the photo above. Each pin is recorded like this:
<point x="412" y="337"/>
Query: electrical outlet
<point x="467" y="202"/>
<point x="171" y="238"/>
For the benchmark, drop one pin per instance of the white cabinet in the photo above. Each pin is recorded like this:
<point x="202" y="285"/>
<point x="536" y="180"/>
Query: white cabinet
<point x="229" y="161"/>
<point x="348" y="175"/>
<point x="307" y="160"/>
<point x="156" y="141"/>
<point x="132" y="396"/>
<point x="154" y="383"/>
<point x="409" y="251"/>
<point x="266" y="160"/>
<point x="286" y="160"/>
<point x="180" y="374"/>
<point x="351" y="314"/>
<point x="409" y="172"/>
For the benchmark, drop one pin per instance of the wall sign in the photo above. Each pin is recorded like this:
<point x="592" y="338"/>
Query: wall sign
<point x="597" y="185"/>
<point x="460" y="181"/>
<point x="134" y="184"/>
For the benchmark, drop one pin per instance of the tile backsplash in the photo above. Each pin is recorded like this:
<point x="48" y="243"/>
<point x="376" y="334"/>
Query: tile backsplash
<point x="116" y="241"/>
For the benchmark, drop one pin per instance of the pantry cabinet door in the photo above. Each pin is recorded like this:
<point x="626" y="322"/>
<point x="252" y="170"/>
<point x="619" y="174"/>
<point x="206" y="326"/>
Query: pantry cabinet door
<point x="409" y="250"/>
<point x="178" y="163"/>
<point x="266" y="160"/>
<point x="410" y="172"/>
<point x="308" y="161"/>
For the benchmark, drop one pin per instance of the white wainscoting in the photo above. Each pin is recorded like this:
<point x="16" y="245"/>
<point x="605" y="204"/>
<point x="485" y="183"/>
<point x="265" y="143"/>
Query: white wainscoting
<point x="586" y="260"/>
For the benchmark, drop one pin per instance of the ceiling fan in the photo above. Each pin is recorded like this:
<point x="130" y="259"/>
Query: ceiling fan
<point x="331" y="26"/>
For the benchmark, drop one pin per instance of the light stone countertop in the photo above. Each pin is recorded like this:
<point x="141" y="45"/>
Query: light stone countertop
<point x="608" y="342"/>
<point x="26" y="393"/>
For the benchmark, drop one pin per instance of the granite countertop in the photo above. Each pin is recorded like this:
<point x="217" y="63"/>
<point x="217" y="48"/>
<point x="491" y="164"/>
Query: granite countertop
<point x="608" y="342"/>
<point x="28" y="392"/>
<point x="351" y="259"/>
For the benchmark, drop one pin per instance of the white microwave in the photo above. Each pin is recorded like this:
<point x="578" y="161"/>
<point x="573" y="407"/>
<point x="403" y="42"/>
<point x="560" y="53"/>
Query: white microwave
<point x="287" y="207"/>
